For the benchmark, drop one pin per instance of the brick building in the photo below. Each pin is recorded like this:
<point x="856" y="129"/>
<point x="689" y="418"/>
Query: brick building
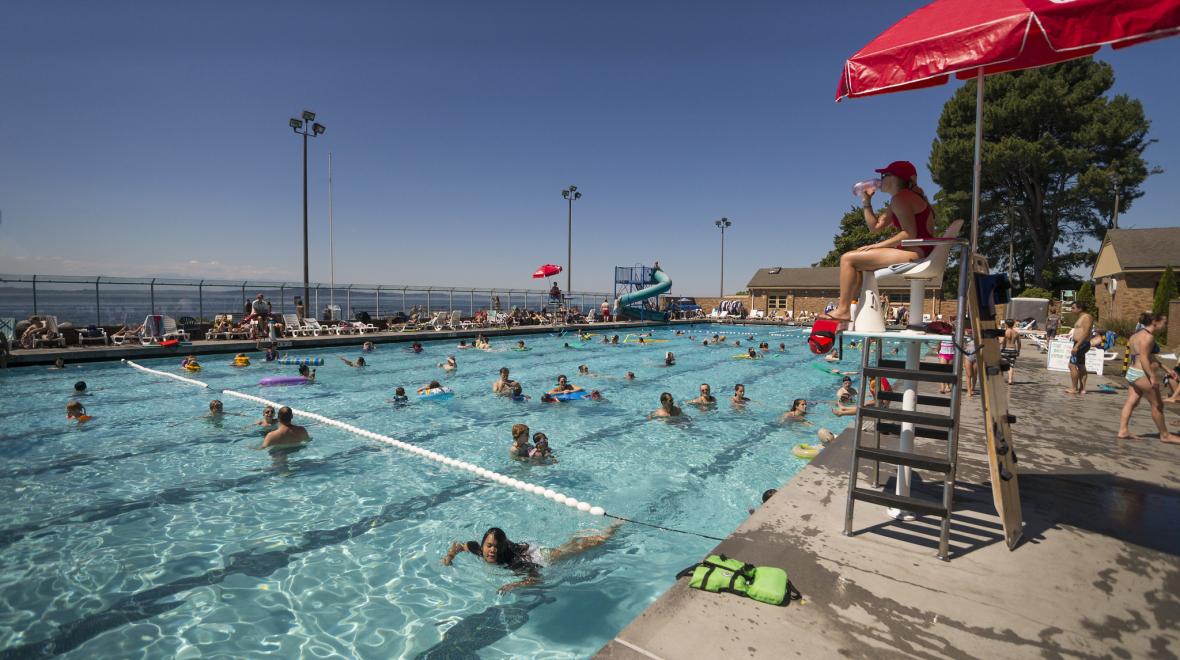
<point x="811" y="289"/>
<point x="1129" y="267"/>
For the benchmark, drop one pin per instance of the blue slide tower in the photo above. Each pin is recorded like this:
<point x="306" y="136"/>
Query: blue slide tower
<point x="635" y="286"/>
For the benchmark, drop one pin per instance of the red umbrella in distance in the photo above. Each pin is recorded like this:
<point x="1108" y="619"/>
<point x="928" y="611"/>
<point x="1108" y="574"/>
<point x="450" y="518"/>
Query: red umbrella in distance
<point x="546" y="271"/>
<point x="974" y="38"/>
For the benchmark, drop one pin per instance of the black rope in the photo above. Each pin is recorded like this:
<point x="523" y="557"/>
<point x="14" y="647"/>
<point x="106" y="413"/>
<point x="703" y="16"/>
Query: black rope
<point x="666" y="529"/>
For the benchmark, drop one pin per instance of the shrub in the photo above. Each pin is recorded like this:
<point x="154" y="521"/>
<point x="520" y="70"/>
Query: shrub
<point x="1068" y="319"/>
<point x="1164" y="293"/>
<point x="1085" y="295"/>
<point x="1035" y="292"/>
<point x="1121" y="327"/>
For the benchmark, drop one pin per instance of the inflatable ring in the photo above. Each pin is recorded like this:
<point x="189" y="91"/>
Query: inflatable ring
<point x="747" y="356"/>
<point x="271" y="381"/>
<point x="435" y="394"/>
<point x="806" y="451"/>
<point x="241" y="362"/>
<point x="192" y="367"/>
<point x="300" y="361"/>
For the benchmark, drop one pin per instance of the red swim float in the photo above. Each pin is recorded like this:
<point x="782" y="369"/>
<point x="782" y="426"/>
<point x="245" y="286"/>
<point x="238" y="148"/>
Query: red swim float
<point x="823" y="335"/>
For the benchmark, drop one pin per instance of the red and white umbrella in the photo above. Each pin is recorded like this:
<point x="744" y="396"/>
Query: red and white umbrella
<point x="548" y="270"/>
<point x="974" y="38"/>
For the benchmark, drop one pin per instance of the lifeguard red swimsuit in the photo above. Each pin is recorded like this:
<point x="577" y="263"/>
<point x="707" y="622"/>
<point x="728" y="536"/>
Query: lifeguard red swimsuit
<point x="920" y="218"/>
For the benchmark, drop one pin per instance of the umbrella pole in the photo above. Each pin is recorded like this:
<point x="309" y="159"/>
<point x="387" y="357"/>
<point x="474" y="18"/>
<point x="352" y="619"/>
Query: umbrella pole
<point x="978" y="165"/>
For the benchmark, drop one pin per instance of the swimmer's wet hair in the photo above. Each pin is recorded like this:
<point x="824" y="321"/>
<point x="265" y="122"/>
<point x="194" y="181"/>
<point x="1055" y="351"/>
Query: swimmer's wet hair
<point x="285" y="414"/>
<point x="519" y="429"/>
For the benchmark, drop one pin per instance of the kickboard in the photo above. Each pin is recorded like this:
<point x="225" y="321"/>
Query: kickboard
<point x="1001" y="451"/>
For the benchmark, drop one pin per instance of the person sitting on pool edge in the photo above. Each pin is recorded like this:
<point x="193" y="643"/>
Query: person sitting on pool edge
<point x="706" y="398"/>
<point x="739" y="396"/>
<point x="668" y="407"/>
<point x="520" y="447"/>
<point x="522" y="559"/>
<point x="564" y="386"/>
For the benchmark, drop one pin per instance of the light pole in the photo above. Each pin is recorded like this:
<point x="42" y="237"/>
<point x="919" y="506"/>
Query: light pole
<point x="570" y="194"/>
<point x="305" y="127"/>
<point x="722" y="224"/>
<point x="1115" y="216"/>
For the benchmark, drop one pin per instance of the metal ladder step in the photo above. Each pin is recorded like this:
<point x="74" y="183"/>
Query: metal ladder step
<point x="915" y="504"/>
<point x="919" y="461"/>
<point x="906" y="374"/>
<point x="923" y="399"/>
<point x="922" y="366"/>
<point x="914" y="417"/>
<point x="888" y="428"/>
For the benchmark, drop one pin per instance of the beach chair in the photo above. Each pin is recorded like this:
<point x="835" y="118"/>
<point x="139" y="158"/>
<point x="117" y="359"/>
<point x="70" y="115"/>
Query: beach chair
<point x="314" y="326"/>
<point x="51" y="336"/>
<point x="439" y="322"/>
<point x="171" y="330"/>
<point x="92" y="334"/>
<point x="292" y="327"/>
<point x="453" y="319"/>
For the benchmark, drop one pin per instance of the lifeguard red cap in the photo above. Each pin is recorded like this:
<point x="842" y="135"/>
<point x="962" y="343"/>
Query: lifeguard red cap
<point x="902" y="169"/>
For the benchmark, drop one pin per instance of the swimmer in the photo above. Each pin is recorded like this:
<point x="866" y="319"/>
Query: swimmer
<point x="614" y="339"/>
<point x="825" y="436"/>
<point x="706" y="398"/>
<point x="766" y="495"/>
<point x="416" y="347"/>
<point x="583" y="370"/>
<point x="563" y="385"/>
<point x="520" y="345"/>
<point x="752" y="354"/>
<point x="307" y="373"/>
<point x="189" y="361"/>
<point x="76" y="411"/>
<point x="595" y="395"/>
<point x="288" y="436"/>
<point x="668" y="407"/>
<point x="268" y="422"/>
<point x="737" y="342"/>
<point x="669" y="359"/>
<point x="434" y="385"/>
<point x="241" y="357"/>
<point x="782" y="348"/>
<point x="367" y="347"/>
<point x="739" y="399"/>
<point x="750" y="337"/>
<point x="630" y="375"/>
<point x="641" y="340"/>
<point x="705" y="342"/>
<point x="216" y="409"/>
<point x="517" y="392"/>
<point x="797" y="412"/>
<point x="520" y="447"/>
<point x="845" y="398"/>
<point x="272" y="354"/>
<point x="463" y="343"/>
<point x="399" y="397"/>
<point x="567" y="345"/>
<point x="605" y="339"/>
<point x="501" y="384"/>
<point x="496" y="549"/>
<point x="549" y="398"/>
<point x="80" y="388"/>
<point x="58" y="364"/>
<point x="360" y="362"/>
<point x="450" y="364"/>
<point x="541" y="453"/>
<point x="832" y="357"/>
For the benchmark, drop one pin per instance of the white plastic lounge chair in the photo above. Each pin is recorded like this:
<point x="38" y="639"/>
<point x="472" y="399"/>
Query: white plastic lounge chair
<point x="439" y="322"/>
<point x="344" y="328"/>
<point x="172" y="330"/>
<point x="314" y="326"/>
<point x="292" y="327"/>
<point x="92" y="334"/>
<point x="453" y="319"/>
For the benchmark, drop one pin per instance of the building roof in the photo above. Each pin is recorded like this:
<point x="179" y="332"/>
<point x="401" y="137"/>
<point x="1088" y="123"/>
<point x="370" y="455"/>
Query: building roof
<point x="1155" y="248"/>
<point x="827" y="277"/>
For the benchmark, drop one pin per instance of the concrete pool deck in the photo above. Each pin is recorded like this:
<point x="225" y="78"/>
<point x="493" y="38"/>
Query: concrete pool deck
<point x="1097" y="573"/>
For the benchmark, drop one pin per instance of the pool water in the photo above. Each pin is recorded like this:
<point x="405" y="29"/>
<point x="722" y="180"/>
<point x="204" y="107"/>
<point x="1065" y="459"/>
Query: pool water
<point x="155" y="531"/>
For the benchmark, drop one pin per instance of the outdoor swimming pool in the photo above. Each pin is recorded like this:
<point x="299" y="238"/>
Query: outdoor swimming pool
<point x="154" y="531"/>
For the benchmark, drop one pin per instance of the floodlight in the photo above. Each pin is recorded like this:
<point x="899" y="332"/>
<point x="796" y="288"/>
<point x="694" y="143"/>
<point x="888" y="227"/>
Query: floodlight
<point x="296" y="124"/>
<point x="318" y="128"/>
<point x="308" y="115"/>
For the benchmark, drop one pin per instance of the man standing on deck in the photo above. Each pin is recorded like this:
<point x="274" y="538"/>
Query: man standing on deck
<point x="1081" y="346"/>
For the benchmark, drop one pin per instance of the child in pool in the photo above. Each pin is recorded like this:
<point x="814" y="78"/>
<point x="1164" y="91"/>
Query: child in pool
<point x="541" y="453"/>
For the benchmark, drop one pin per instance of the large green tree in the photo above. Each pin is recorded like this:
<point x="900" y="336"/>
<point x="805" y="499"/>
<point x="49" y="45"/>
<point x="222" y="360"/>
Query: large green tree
<point x="1056" y="148"/>
<point x="1165" y="291"/>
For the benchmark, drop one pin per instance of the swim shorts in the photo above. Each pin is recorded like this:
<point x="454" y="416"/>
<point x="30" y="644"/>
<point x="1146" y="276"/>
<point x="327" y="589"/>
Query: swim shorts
<point x="1079" y="356"/>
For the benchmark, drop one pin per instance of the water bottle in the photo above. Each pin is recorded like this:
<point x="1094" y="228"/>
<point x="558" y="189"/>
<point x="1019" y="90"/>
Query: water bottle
<point x="866" y="187"/>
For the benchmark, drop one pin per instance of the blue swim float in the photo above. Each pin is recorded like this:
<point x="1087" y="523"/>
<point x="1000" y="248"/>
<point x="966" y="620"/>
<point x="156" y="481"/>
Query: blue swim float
<point x="435" y="394"/>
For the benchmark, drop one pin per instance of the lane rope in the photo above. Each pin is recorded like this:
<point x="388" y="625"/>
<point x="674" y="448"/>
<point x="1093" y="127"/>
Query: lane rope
<point x="524" y="486"/>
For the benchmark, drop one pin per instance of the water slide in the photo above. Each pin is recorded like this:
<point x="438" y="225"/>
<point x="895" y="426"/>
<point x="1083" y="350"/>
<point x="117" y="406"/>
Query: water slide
<point x="661" y="283"/>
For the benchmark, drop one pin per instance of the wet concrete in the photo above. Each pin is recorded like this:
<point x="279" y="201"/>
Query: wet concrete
<point x="1096" y="575"/>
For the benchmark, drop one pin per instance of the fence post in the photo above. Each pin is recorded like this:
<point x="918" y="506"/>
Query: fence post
<point x="35" y="295"/>
<point x="348" y="301"/>
<point x="152" y="285"/>
<point x="97" y="304"/>
<point x="509" y="300"/>
<point x="201" y="301"/>
<point x="282" y="298"/>
<point x="451" y="299"/>
<point x="404" y="310"/>
<point x="244" y="298"/>
<point x="378" y="301"/>
<point x="428" y="300"/>
<point x="317" y="299"/>
<point x="471" y="305"/>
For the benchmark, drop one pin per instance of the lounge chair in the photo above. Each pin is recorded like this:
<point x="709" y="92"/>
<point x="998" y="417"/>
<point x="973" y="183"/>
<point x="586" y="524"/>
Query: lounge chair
<point x="453" y="319"/>
<point x="51" y="335"/>
<point x="292" y="327"/>
<point x="172" y="330"/>
<point x="93" y="334"/>
<point x="439" y="322"/>
<point x="314" y="326"/>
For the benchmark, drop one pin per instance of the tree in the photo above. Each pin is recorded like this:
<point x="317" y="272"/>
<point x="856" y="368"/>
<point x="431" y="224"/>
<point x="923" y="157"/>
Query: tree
<point x="1085" y="295"/>
<point x="853" y="233"/>
<point x="1164" y="292"/>
<point x="1055" y="150"/>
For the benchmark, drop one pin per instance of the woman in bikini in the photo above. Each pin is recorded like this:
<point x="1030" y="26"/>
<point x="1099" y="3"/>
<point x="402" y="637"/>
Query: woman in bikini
<point x="1142" y="380"/>
<point x="909" y="212"/>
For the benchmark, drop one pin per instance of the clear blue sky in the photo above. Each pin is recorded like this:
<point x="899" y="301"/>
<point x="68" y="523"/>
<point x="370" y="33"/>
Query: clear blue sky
<point x="147" y="138"/>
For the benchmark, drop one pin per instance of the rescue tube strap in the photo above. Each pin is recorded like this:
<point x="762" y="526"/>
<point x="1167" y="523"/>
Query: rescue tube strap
<point x="666" y="529"/>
